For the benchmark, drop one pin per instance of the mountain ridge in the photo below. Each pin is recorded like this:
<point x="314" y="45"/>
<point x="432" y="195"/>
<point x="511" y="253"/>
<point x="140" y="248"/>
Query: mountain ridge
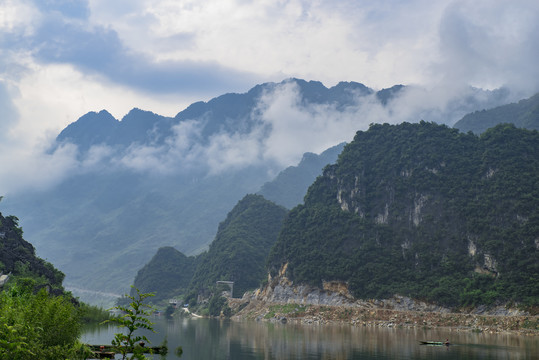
<point x="524" y="114"/>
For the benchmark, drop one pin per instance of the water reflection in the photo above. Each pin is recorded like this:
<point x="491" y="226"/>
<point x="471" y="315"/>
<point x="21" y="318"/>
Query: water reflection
<point x="221" y="339"/>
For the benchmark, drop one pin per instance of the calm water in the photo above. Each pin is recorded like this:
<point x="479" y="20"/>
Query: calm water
<point x="209" y="339"/>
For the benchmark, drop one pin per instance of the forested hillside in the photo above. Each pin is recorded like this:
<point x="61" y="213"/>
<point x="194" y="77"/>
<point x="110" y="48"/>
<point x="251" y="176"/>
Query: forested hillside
<point x="168" y="274"/>
<point x="425" y="211"/>
<point x="238" y="253"/>
<point x="240" y="248"/>
<point x="524" y="114"/>
<point x="18" y="258"/>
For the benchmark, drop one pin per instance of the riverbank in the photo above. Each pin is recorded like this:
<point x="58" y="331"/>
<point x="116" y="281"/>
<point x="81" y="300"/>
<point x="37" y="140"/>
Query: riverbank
<point x="374" y="316"/>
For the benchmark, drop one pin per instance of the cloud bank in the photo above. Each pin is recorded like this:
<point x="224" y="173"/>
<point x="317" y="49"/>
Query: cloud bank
<point x="60" y="59"/>
<point x="285" y="127"/>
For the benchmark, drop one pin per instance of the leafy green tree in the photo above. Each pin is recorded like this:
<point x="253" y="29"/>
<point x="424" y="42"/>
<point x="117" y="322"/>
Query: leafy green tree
<point x="217" y="304"/>
<point x="135" y="317"/>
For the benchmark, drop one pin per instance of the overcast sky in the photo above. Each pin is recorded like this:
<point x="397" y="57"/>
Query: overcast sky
<point x="60" y="59"/>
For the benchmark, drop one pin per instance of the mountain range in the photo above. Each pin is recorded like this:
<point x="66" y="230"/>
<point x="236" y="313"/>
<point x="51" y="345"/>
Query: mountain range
<point x="150" y="181"/>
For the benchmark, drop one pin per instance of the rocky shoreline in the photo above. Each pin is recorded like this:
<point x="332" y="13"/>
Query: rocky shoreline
<point x="379" y="317"/>
<point x="281" y="301"/>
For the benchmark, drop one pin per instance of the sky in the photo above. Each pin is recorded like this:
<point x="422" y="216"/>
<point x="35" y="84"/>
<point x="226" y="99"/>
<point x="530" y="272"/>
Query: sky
<point x="60" y="59"/>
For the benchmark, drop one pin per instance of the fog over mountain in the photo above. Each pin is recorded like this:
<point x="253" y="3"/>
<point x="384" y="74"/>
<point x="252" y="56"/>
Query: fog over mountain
<point x="277" y="126"/>
<point x="116" y="190"/>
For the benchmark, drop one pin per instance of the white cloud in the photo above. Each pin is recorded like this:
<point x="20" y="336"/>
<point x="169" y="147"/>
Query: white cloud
<point x="50" y="97"/>
<point x="149" y="52"/>
<point x="33" y="169"/>
<point x="323" y="40"/>
<point x="490" y="44"/>
<point x="232" y="152"/>
<point x="43" y="101"/>
<point x="296" y="129"/>
<point x="18" y="16"/>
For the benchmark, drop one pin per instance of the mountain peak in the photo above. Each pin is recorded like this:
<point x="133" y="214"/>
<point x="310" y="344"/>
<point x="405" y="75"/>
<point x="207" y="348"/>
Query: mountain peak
<point x="91" y="128"/>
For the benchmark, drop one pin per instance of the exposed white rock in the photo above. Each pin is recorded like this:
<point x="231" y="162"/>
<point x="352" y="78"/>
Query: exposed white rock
<point x="472" y="249"/>
<point x="382" y="218"/>
<point x="406" y="173"/>
<point x="522" y="219"/>
<point x="342" y="201"/>
<point x="419" y="202"/>
<point x="490" y="264"/>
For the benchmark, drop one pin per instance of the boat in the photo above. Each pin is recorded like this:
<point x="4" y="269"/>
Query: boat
<point x="439" y="343"/>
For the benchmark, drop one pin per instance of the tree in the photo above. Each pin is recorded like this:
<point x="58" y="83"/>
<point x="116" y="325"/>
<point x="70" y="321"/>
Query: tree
<point x="135" y="317"/>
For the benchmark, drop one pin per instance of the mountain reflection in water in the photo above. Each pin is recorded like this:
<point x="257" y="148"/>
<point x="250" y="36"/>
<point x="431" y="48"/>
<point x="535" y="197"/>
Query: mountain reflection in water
<point x="211" y="339"/>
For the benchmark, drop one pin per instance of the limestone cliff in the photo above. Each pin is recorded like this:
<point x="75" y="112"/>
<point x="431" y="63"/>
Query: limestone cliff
<point x="423" y="211"/>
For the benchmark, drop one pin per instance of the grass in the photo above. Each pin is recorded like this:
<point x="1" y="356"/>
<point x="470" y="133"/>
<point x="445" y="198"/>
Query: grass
<point x="292" y="310"/>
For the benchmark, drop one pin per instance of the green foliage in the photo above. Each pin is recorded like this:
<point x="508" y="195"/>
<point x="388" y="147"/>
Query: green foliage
<point x="18" y="256"/>
<point x="169" y="311"/>
<point x="401" y="210"/>
<point x="92" y="314"/>
<point x="135" y="317"/>
<point x="241" y="245"/>
<point x="37" y="326"/>
<point x="167" y="274"/>
<point x="290" y="310"/>
<point x="217" y="304"/>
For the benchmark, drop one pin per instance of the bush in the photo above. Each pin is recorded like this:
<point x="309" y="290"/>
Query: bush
<point x="37" y="326"/>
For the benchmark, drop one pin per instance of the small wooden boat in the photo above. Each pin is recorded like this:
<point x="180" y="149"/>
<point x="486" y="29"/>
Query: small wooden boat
<point x="439" y="343"/>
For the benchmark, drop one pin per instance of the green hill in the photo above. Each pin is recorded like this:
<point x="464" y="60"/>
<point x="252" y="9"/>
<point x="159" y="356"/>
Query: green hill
<point x="167" y="274"/>
<point x="238" y="253"/>
<point x="524" y="114"/>
<point x="240" y="248"/>
<point x="18" y="257"/>
<point x="425" y="211"/>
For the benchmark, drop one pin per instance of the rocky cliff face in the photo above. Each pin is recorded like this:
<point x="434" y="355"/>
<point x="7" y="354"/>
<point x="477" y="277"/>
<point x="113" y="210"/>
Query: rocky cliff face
<point x="282" y="290"/>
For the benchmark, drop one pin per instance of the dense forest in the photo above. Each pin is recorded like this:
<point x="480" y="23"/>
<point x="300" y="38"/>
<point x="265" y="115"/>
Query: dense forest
<point x="176" y="197"/>
<point x="425" y="211"/>
<point x="168" y="274"/>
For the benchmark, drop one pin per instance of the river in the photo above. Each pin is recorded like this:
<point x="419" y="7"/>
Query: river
<point x="212" y="339"/>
